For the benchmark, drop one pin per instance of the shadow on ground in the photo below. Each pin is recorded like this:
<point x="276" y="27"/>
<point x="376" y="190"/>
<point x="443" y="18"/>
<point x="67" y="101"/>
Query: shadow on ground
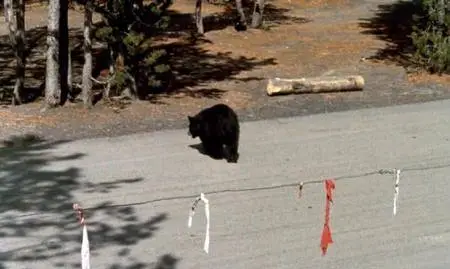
<point x="194" y="65"/>
<point x="273" y="16"/>
<point x="191" y="66"/>
<point x="199" y="147"/>
<point x="38" y="223"/>
<point x="35" y="73"/>
<point x="191" y="63"/>
<point x="27" y="2"/>
<point x="393" y="23"/>
<point x="35" y="63"/>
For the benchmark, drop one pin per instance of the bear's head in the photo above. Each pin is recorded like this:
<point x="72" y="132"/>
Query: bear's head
<point x="194" y="126"/>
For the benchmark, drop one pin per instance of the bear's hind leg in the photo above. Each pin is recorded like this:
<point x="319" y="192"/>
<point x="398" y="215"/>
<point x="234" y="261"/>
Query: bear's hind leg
<point x="213" y="149"/>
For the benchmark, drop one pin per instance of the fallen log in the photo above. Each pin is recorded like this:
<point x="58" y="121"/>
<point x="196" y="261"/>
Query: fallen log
<point x="278" y="86"/>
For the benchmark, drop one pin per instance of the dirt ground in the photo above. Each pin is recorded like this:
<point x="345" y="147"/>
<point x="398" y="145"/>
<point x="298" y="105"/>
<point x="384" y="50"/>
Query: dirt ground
<point x="300" y="38"/>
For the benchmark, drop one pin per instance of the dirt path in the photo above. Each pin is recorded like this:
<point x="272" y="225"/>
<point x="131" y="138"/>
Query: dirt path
<point x="301" y="38"/>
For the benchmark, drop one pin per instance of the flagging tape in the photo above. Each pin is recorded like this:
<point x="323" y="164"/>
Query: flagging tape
<point x="326" y="233"/>
<point x="300" y="188"/>
<point x="326" y="238"/>
<point x="85" y="253"/>
<point x="80" y="213"/>
<point x="396" y="190"/>
<point x="191" y="214"/>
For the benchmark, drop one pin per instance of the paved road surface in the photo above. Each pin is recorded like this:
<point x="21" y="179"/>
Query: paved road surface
<point x="269" y="228"/>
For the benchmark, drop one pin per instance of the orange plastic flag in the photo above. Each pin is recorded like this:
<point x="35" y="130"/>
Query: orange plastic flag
<point x="326" y="233"/>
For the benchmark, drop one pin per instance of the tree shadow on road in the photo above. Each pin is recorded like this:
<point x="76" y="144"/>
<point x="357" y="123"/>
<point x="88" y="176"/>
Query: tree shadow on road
<point x="38" y="224"/>
<point x="166" y="261"/>
<point x="393" y="23"/>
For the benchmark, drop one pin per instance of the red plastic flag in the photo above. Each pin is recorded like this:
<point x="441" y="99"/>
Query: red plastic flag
<point x="326" y="233"/>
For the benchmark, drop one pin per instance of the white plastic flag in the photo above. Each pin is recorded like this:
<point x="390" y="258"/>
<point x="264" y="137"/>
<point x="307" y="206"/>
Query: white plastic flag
<point x="191" y="214"/>
<point x="85" y="253"/>
<point x="396" y="190"/>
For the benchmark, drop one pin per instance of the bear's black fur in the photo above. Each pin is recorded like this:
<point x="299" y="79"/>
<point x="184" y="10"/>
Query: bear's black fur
<point x="240" y="26"/>
<point x="217" y="126"/>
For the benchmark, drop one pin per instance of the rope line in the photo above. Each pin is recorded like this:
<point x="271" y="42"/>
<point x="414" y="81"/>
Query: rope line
<point x="236" y="190"/>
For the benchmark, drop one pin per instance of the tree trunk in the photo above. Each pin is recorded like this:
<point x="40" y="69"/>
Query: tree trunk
<point x="241" y="13"/>
<point x="52" y="85"/>
<point x="198" y="17"/>
<point x="69" y="76"/>
<point x="64" y="50"/>
<point x="87" y="67"/>
<point x="9" y="19"/>
<point x="14" y="17"/>
<point x="20" y="53"/>
<point x="130" y="90"/>
<point x="112" y="71"/>
<point x="257" y="14"/>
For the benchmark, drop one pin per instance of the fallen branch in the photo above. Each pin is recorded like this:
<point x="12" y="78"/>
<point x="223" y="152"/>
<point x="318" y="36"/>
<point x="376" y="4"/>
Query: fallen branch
<point x="279" y="86"/>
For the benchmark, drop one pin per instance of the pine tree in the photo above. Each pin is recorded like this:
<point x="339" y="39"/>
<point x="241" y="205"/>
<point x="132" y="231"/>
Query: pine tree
<point x="139" y="68"/>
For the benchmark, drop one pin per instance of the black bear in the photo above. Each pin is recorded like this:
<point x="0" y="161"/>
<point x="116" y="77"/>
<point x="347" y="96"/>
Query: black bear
<point x="217" y="126"/>
<point x="240" y="26"/>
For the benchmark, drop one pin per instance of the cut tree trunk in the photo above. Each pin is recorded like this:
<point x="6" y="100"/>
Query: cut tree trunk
<point x="279" y="86"/>
<point x="198" y="17"/>
<point x="52" y="85"/>
<point x="87" y="67"/>
<point x="258" y="11"/>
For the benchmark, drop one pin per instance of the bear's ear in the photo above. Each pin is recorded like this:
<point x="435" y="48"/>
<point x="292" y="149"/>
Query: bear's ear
<point x="191" y="119"/>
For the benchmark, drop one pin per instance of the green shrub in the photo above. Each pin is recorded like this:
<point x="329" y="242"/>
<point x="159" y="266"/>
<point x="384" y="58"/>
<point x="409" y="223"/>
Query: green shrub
<point x="431" y="35"/>
<point x="128" y="31"/>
